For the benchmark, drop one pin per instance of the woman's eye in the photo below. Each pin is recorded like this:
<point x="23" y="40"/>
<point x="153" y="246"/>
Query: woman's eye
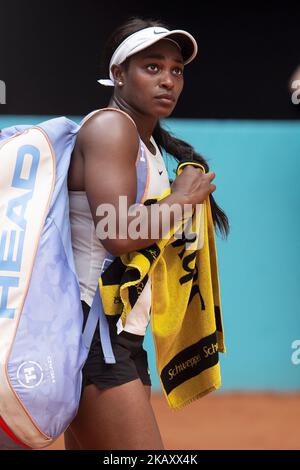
<point x="178" y="71"/>
<point x="152" y="67"/>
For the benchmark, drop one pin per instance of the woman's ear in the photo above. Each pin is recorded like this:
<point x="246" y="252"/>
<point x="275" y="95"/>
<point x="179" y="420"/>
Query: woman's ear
<point x="118" y="75"/>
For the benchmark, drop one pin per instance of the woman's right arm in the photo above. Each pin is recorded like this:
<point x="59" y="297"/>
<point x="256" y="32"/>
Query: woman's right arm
<point x="109" y="145"/>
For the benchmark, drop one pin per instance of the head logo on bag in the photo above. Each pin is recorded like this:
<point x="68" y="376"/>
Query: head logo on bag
<point x="19" y="167"/>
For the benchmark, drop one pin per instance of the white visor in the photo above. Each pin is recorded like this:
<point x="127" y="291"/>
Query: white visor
<point x="146" y="37"/>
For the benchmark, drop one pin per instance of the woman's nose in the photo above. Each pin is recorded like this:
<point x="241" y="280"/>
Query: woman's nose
<point x="167" y="81"/>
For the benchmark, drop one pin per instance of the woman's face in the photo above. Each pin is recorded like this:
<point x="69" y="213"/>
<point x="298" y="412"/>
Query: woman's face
<point x="153" y="80"/>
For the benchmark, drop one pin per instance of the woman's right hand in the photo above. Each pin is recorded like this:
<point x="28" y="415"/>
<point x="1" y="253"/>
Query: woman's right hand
<point x="193" y="186"/>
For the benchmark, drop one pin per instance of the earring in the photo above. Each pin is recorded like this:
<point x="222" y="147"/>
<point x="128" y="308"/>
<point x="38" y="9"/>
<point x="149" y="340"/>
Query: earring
<point x="120" y="83"/>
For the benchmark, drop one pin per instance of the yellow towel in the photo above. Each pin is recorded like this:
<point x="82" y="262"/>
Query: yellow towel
<point x="186" y="314"/>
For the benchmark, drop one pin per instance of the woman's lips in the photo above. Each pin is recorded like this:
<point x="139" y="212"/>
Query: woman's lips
<point x="165" y="99"/>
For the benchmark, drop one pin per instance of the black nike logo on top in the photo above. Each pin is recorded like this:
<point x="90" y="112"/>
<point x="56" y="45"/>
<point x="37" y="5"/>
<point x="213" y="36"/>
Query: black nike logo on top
<point x="160" y="172"/>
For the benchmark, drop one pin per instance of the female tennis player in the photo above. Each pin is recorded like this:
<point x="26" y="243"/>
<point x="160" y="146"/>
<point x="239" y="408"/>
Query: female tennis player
<point x="146" y="73"/>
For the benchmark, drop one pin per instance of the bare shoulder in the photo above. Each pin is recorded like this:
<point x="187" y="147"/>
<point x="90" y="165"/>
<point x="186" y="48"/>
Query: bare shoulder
<point x="108" y="130"/>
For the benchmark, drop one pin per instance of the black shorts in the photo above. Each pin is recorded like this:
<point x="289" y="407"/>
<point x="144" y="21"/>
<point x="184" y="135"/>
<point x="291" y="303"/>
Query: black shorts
<point x="131" y="358"/>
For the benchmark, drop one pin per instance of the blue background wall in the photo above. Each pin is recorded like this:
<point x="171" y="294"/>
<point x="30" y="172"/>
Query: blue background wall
<point x="257" y="166"/>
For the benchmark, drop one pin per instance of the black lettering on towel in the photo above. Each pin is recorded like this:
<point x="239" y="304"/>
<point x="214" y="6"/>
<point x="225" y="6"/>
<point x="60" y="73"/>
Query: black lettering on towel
<point x="135" y="291"/>
<point x="190" y="362"/>
<point x="152" y="252"/>
<point x="192" y="272"/>
<point x="218" y="319"/>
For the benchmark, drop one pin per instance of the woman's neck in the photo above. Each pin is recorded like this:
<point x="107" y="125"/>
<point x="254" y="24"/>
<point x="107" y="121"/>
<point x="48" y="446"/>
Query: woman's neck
<point x="145" y="124"/>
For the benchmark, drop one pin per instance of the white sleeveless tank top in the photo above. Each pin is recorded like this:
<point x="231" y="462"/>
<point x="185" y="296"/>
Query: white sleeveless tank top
<point x="89" y="253"/>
